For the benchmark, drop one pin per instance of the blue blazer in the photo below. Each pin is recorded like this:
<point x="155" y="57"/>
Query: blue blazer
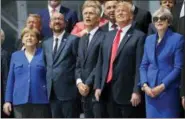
<point x="26" y="81"/>
<point x="162" y="63"/>
<point x="70" y="16"/>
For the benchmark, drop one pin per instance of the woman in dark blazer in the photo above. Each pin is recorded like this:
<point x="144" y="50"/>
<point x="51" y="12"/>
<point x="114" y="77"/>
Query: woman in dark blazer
<point x="161" y="68"/>
<point x="26" y="84"/>
<point x="169" y="4"/>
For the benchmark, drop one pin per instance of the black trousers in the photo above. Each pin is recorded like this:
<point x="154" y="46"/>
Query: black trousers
<point x="113" y="109"/>
<point x="63" y="109"/>
<point x="32" y="111"/>
<point x="92" y="108"/>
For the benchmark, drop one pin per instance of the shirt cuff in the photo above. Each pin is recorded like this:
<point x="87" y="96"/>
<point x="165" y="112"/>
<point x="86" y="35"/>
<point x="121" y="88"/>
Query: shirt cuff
<point x="79" y="80"/>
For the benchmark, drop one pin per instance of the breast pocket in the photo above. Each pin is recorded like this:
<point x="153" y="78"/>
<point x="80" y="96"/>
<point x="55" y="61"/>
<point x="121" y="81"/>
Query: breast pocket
<point x="18" y="68"/>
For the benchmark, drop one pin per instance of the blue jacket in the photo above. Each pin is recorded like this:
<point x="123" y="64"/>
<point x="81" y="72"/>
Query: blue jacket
<point x="26" y="81"/>
<point x="162" y="63"/>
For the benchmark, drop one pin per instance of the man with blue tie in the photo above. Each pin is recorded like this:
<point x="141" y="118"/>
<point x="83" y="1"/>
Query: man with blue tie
<point x="118" y="65"/>
<point x="89" y="46"/>
<point x="60" y="52"/>
<point x="55" y="6"/>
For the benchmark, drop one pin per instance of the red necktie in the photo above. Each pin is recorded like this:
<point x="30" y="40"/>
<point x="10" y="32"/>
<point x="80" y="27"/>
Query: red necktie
<point x="115" y="46"/>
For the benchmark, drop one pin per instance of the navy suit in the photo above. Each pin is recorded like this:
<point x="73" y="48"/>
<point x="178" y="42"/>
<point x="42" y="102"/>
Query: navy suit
<point x="69" y="15"/>
<point x="142" y="19"/>
<point x="26" y="81"/>
<point x="85" y="69"/>
<point x="61" y="75"/>
<point x="125" y="72"/>
<point x="162" y="63"/>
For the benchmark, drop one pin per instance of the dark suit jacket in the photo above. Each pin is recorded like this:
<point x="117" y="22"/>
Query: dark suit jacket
<point x="105" y="27"/>
<point x="87" y="59"/>
<point x="142" y="19"/>
<point x="178" y="22"/>
<point x="61" y="69"/>
<point x="125" y="67"/>
<point x="69" y="15"/>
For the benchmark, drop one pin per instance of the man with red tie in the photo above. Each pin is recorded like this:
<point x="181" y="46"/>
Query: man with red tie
<point x="117" y="69"/>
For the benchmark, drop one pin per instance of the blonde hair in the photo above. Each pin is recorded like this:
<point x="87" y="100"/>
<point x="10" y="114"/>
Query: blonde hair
<point x="29" y="30"/>
<point x="127" y="5"/>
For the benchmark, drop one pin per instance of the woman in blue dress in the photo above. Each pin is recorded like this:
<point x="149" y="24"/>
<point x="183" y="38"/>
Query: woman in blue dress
<point x="26" y="85"/>
<point x="161" y="67"/>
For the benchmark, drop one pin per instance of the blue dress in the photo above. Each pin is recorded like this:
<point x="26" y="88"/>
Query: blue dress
<point x="162" y="63"/>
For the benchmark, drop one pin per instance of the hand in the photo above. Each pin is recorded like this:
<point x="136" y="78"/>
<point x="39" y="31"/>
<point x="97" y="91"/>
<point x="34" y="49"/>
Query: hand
<point x="148" y="91"/>
<point x="97" y="94"/>
<point x="135" y="99"/>
<point x="158" y="89"/>
<point x="183" y="102"/>
<point x="82" y="88"/>
<point x="7" y="108"/>
<point x="86" y="90"/>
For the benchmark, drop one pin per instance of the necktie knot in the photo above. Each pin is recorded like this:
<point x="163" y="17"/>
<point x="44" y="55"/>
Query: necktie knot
<point x="56" y="39"/>
<point x="114" y="26"/>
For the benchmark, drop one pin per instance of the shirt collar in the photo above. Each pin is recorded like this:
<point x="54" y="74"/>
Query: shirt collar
<point x="57" y="8"/>
<point x="126" y="28"/>
<point x="60" y="36"/>
<point x="92" y="32"/>
<point x="133" y="7"/>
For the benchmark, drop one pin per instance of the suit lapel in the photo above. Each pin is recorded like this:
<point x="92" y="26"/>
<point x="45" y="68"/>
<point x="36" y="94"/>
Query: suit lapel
<point x="124" y="41"/>
<point x="62" y="44"/>
<point x="111" y="38"/>
<point x="153" y="48"/>
<point x="94" y="39"/>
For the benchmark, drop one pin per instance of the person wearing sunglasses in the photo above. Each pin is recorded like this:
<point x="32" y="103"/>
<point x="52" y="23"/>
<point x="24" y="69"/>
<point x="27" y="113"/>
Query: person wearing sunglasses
<point x="169" y="4"/>
<point x="160" y="68"/>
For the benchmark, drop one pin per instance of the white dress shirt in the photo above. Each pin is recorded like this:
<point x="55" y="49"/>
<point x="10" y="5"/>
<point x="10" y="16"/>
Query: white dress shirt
<point x="92" y="32"/>
<point x="51" y="9"/>
<point x="182" y="9"/>
<point x="110" y="26"/>
<point x="59" y="39"/>
<point x="124" y="31"/>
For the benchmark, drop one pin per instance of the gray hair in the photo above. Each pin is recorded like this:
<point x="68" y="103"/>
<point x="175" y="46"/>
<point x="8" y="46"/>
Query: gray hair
<point x="2" y="34"/>
<point x="95" y="4"/>
<point x="163" y="12"/>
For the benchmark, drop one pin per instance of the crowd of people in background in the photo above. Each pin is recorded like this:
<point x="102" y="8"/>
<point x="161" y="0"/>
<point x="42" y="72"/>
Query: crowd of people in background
<point x="118" y="62"/>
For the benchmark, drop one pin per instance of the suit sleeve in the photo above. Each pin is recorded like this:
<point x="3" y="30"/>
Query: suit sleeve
<point x="44" y="54"/>
<point x="178" y="63"/>
<point x="144" y="67"/>
<point x="78" y="64"/>
<point x="147" y="21"/>
<point x="139" y="55"/>
<point x="183" y="77"/>
<point x="91" y="78"/>
<point x="98" y="72"/>
<point x="10" y="82"/>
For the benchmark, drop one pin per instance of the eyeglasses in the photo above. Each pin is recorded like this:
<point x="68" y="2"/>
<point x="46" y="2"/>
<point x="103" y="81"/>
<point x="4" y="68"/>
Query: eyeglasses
<point x="162" y="18"/>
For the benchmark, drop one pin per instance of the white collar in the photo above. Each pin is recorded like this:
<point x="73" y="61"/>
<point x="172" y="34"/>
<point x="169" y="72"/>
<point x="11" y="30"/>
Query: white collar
<point x="92" y="32"/>
<point x="57" y="8"/>
<point x="59" y="37"/>
<point x="133" y="7"/>
<point x="126" y="28"/>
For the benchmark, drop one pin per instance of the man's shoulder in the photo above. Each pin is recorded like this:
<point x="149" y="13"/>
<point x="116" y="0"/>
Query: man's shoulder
<point x="66" y="10"/>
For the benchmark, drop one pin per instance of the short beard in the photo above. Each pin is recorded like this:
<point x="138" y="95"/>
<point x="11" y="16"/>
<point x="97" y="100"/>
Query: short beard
<point x="58" y="30"/>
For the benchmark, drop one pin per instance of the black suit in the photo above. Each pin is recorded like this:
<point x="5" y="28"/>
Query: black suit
<point x="142" y="19"/>
<point x="178" y="22"/>
<point x="125" y="72"/>
<point x="85" y="70"/>
<point x="60" y="76"/>
<point x="105" y="27"/>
